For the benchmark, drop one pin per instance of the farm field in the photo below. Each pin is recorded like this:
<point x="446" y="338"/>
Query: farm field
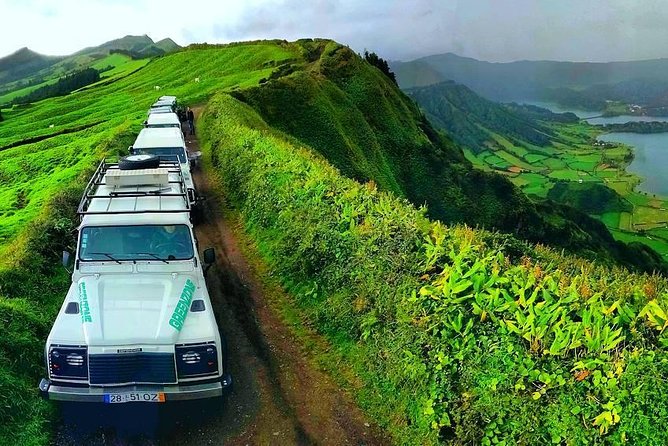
<point x="576" y="157"/>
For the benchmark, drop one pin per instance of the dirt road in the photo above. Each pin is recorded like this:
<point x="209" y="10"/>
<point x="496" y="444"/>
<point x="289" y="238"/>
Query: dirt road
<point x="279" y="397"/>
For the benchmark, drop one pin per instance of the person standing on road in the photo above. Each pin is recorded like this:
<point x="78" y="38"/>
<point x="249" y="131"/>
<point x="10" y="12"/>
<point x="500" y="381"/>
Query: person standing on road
<point x="191" y="120"/>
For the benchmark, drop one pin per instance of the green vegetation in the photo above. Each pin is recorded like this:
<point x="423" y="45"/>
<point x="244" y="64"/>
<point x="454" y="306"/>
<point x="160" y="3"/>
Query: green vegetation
<point x="381" y="64"/>
<point x="32" y="287"/>
<point x="472" y="120"/>
<point x="61" y="87"/>
<point x="460" y="336"/>
<point x="638" y="127"/>
<point x="326" y="106"/>
<point x="590" y="197"/>
<point x="572" y="154"/>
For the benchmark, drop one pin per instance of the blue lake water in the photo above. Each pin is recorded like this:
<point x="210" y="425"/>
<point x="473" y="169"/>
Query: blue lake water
<point x="650" y="158"/>
<point x="624" y="118"/>
<point x="650" y="150"/>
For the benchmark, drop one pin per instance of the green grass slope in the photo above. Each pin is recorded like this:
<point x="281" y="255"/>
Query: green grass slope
<point x="471" y="120"/>
<point x="325" y="102"/>
<point x="456" y="339"/>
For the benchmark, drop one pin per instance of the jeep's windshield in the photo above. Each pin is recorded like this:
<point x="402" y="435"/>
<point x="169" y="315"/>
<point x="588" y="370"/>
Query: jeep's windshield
<point x="140" y="242"/>
<point x="165" y="153"/>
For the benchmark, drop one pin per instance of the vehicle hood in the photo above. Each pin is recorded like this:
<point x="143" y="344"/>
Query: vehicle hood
<point x="131" y="309"/>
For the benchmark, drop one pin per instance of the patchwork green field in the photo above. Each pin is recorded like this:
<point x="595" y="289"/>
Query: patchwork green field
<point x="576" y="157"/>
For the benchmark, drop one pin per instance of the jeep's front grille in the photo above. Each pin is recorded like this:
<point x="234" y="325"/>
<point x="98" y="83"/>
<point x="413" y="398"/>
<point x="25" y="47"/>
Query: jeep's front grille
<point x="132" y="368"/>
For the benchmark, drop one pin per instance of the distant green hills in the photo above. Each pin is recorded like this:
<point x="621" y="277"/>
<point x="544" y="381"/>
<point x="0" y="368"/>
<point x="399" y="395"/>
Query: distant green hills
<point x="642" y="82"/>
<point x="26" y="69"/>
<point x="23" y="63"/>
<point x="471" y="120"/>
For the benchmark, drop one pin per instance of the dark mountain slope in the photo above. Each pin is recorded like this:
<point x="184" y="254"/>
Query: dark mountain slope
<point x="127" y="43"/>
<point x="524" y="79"/>
<point x="363" y="124"/>
<point x="469" y="118"/>
<point x="23" y="63"/>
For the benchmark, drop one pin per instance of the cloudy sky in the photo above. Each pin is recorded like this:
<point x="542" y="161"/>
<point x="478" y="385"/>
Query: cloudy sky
<point x="495" y="30"/>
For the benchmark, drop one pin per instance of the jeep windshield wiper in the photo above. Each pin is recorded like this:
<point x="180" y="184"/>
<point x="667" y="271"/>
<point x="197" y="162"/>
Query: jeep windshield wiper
<point x="109" y="256"/>
<point x="150" y="254"/>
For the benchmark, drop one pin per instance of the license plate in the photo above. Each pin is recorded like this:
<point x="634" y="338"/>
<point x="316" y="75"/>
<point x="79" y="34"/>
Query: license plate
<point x="134" y="397"/>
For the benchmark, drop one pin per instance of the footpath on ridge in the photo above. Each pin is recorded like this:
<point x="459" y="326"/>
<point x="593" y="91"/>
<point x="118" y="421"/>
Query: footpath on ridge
<point x="279" y="396"/>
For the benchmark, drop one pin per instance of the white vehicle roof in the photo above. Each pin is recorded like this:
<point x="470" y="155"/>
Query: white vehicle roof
<point x="163" y="119"/>
<point x="160" y="109"/>
<point x="141" y="196"/>
<point x="159" y="137"/>
<point x="169" y="100"/>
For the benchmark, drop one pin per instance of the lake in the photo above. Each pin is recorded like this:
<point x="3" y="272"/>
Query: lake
<point x="585" y="114"/>
<point x="650" y="150"/>
<point x="650" y="158"/>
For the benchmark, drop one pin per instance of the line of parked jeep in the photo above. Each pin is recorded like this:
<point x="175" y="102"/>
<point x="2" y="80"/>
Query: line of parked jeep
<point x="137" y="324"/>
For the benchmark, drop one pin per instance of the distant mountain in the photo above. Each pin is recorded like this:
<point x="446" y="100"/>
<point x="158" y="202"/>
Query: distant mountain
<point x="168" y="45"/>
<point x="525" y="79"/>
<point x="25" y="67"/>
<point x="22" y="63"/>
<point x="472" y="120"/>
<point x="139" y="45"/>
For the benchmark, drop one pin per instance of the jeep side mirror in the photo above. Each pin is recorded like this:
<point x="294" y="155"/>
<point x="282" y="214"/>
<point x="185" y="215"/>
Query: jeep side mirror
<point x="66" y="261"/>
<point x="194" y="156"/>
<point x="130" y="150"/>
<point x="66" y="258"/>
<point x="209" y="258"/>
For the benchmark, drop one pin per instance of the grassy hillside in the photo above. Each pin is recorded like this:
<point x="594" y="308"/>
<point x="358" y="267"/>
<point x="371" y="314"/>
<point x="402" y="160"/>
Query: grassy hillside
<point x="471" y="120"/>
<point x="457" y="334"/>
<point x="455" y="337"/>
<point x="325" y="104"/>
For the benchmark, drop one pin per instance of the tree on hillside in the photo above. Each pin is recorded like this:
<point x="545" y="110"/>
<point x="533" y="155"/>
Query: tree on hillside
<point x="1" y="117"/>
<point x="381" y="64"/>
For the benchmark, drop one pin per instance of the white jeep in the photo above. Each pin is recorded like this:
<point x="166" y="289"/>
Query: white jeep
<point x="137" y="324"/>
<point x="159" y="120"/>
<point x="168" y="144"/>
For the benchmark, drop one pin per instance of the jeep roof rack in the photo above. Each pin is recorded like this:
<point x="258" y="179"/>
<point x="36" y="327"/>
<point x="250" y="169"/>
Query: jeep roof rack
<point x="174" y="192"/>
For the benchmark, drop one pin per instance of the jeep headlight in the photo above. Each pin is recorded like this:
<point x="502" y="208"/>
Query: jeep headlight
<point x="68" y="362"/>
<point x="195" y="360"/>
